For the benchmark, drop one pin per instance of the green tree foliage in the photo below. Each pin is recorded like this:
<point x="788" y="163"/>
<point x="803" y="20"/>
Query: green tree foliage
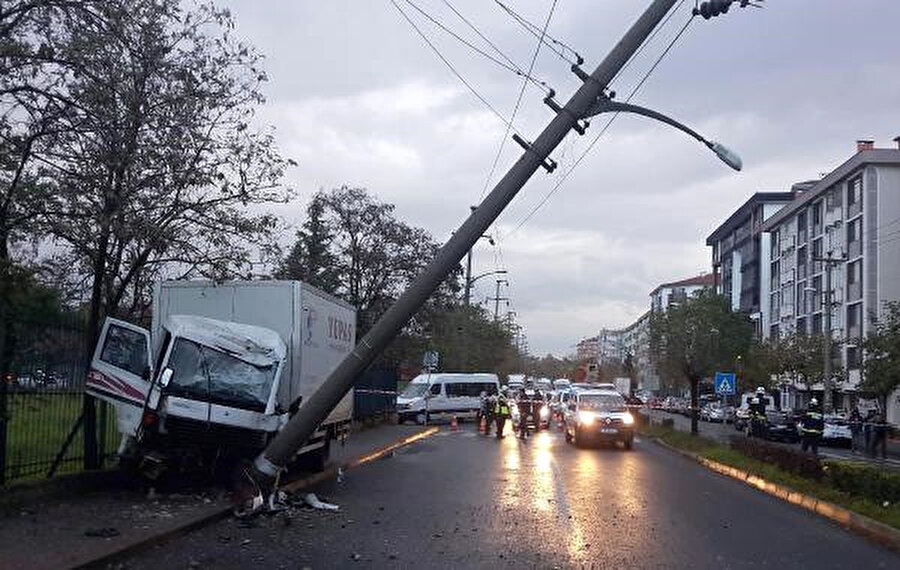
<point x="355" y="244"/>
<point x="881" y="367"/>
<point x="693" y="340"/>
<point x="310" y="259"/>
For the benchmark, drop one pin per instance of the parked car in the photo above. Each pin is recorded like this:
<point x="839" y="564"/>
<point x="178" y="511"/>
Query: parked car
<point x="599" y="416"/>
<point x="781" y="427"/>
<point x="712" y="413"/>
<point x="837" y="431"/>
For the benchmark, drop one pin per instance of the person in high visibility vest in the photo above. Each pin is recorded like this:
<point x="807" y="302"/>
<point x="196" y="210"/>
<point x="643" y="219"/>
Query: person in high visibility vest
<point x="811" y="427"/>
<point x="501" y="412"/>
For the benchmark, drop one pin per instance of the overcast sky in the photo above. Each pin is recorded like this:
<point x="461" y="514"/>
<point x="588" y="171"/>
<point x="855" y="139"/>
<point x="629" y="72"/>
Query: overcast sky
<point x="358" y="98"/>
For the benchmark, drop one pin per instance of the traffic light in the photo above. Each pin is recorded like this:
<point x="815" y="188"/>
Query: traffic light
<point x="713" y="8"/>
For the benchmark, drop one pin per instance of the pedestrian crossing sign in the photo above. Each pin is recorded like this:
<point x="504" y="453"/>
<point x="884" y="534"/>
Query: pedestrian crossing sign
<point x="725" y="384"/>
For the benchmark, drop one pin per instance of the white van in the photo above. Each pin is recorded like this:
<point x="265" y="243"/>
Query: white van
<point x="442" y="395"/>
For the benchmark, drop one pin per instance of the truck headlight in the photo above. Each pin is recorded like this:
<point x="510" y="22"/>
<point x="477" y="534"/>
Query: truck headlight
<point x="586" y="418"/>
<point x="545" y="412"/>
<point x="628" y="419"/>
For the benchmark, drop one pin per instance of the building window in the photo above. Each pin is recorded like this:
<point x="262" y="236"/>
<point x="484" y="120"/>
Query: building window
<point x="854" y="192"/>
<point x="853" y="359"/>
<point x="817" y="214"/>
<point x="854" y="272"/>
<point x="817" y="324"/>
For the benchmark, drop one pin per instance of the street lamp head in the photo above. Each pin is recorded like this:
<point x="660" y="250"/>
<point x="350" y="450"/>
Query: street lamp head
<point x="727" y="155"/>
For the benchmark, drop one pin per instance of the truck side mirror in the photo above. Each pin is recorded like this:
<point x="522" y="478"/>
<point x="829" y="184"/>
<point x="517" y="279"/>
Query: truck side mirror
<point x="165" y="377"/>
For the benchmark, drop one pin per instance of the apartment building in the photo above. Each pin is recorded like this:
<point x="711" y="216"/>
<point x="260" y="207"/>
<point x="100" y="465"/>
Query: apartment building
<point x="636" y="344"/>
<point x="605" y="347"/>
<point x="679" y="291"/>
<point x="851" y="216"/>
<point x="740" y="254"/>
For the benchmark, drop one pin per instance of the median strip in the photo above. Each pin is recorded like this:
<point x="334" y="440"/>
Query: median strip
<point x="875" y="530"/>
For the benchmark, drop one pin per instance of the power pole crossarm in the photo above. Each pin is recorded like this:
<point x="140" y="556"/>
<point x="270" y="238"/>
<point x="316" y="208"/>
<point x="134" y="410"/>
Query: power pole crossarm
<point x="316" y="408"/>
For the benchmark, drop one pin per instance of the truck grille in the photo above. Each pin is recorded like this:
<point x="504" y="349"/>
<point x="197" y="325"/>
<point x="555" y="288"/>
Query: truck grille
<point x="196" y="432"/>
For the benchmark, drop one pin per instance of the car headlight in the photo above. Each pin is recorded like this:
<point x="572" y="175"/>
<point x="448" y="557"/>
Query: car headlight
<point x="545" y="412"/>
<point x="628" y="419"/>
<point x="586" y="418"/>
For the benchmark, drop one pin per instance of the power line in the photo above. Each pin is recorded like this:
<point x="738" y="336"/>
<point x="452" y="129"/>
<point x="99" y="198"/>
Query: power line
<point x="609" y="123"/>
<point x="510" y="65"/>
<point x="534" y="57"/>
<point x="453" y="69"/>
<point x="533" y="30"/>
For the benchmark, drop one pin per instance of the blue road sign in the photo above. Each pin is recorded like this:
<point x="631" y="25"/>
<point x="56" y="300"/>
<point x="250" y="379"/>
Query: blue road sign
<point x="726" y="383"/>
<point x="430" y="359"/>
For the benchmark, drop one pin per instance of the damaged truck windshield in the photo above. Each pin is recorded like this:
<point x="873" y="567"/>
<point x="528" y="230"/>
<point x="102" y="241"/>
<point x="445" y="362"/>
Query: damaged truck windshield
<point x="209" y="375"/>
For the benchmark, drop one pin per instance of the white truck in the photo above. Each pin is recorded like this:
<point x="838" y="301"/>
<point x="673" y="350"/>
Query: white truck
<point x="222" y="369"/>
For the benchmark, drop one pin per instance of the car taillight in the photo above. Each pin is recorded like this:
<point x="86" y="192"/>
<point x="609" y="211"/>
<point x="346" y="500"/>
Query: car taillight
<point x="150" y="418"/>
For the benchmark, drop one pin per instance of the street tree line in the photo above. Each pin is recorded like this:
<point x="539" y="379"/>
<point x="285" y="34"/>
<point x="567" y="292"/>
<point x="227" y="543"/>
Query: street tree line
<point x="692" y="341"/>
<point x="352" y="245"/>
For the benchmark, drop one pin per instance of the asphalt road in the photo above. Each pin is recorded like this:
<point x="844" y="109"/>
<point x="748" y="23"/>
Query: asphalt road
<point x="459" y="500"/>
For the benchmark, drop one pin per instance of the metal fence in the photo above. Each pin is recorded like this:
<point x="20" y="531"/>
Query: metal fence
<point x="42" y="394"/>
<point x="375" y="394"/>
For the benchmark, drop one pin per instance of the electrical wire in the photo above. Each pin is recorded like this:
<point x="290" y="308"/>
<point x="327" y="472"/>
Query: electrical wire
<point x="453" y="69"/>
<point x="510" y="66"/>
<point x="534" y="30"/>
<point x="534" y="57"/>
<point x="494" y="46"/>
<point x="605" y="128"/>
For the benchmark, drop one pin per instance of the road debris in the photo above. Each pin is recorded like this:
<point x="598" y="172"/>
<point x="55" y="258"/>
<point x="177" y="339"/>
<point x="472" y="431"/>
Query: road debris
<point x="313" y="501"/>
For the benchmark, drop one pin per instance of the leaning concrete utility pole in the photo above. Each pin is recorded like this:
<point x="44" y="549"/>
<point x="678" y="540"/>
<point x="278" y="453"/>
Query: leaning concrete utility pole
<point x="316" y="408"/>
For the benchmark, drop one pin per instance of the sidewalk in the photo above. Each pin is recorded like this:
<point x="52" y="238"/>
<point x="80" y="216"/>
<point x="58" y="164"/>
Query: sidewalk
<point x="66" y="533"/>
<point x="724" y="432"/>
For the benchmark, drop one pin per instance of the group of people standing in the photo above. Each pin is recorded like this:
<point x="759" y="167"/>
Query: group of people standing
<point x="496" y="409"/>
<point x="868" y="433"/>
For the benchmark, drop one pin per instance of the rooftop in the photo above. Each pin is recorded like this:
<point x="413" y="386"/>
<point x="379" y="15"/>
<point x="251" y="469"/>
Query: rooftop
<point x="744" y="211"/>
<point x="883" y="156"/>
<point x="702" y="280"/>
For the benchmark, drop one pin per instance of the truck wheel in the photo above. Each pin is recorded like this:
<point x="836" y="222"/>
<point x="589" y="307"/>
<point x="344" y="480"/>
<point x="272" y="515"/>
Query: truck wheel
<point x="422" y="418"/>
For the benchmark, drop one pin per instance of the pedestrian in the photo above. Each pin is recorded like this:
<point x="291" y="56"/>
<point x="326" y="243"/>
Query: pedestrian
<point x="879" y="436"/>
<point x="856" y="427"/>
<point x="811" y="427"/>
<point x="501" y="412"/>
<point x="868" y="425"/>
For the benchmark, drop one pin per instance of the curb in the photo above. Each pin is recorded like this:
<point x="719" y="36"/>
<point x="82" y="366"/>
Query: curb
<point x="217" y="514"/>
<point x="870" y="528"/>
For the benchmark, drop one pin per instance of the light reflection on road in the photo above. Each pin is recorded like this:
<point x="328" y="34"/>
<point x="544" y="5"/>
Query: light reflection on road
<point x="567" y="491"/>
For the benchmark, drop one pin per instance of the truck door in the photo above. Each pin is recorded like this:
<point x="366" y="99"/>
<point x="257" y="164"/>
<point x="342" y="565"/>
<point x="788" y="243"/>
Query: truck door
<point x="121" y="368"/>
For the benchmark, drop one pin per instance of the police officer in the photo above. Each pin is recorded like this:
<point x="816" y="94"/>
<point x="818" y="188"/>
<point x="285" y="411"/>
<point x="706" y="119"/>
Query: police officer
<point x="501" y="412"/>
<point x="811" y="427"/>
<point x="758" y="420"/>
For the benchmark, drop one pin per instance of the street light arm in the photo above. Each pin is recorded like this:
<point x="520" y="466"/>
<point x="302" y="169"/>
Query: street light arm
<point x="604" y="105"/>
<point x="477" y="277"/>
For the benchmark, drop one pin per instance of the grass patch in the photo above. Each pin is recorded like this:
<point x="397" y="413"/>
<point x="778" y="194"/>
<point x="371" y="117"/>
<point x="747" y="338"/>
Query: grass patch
<point x="886" y="513"/>
<point x="38" y="427"/>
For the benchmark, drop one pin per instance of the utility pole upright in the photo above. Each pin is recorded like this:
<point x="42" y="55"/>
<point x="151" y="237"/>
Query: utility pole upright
<point x="497" y="298"/>
<point x="827" y="364"/>
<point x="468" y="297"/>
<point x="314" y="409"/>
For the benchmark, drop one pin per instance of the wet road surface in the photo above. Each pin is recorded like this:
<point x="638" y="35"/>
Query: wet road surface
<point x="460" y="500"/>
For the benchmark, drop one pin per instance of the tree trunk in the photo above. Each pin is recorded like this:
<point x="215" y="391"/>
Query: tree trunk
<point x="6" y="349"/>
<point x="695" y="403"/>
<point x="89" y="425"/>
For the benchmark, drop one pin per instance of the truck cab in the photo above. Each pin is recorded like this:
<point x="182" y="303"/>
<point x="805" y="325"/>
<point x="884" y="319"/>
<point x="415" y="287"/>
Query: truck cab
<point x="212" y="383"/>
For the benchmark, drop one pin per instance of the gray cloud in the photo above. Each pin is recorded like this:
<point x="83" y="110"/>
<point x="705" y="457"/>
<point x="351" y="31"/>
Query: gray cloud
<point x="357" y="98"/>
